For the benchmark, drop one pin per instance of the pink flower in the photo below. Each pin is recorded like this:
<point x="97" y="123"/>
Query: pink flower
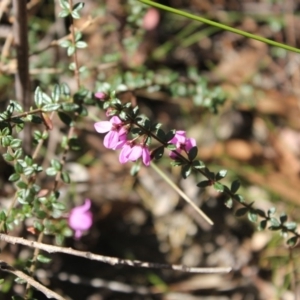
<point x="100" y="95"/>
<point x="116" y="136"/>
<point x="133" y="153"/>
<point x="151" y="19"/>
<point x="80" y="218"/>
<point x="182" y="143"/>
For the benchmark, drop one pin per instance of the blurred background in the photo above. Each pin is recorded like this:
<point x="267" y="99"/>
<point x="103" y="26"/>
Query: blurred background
<point x="191" y="69"/>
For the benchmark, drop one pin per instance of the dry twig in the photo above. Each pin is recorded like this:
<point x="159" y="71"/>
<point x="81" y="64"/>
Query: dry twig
<point x="109" y="260"/>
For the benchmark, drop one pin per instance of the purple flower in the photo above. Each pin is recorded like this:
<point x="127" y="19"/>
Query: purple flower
<point x="133" y="153"/>
<point x="80" y="218"/>
<point x="182" y="143"/>
<point x="116" y="136"/>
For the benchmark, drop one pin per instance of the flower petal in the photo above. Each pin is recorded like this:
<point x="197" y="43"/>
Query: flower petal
<point x="146" y="156"/>
<point x="135" y="153"/>
<point x="111" y="139"/>
<point x="123" y="157"/>
<point x="103" y="126"/>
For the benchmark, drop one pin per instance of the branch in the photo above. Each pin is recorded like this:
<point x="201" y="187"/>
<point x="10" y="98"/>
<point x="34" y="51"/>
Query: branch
<point x="110" y="260"/>
<point x="47" y="292"/>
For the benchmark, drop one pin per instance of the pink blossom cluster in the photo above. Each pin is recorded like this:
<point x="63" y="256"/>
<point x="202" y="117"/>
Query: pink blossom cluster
<point x="116" y="138"/>
<point x="182" y="143"/>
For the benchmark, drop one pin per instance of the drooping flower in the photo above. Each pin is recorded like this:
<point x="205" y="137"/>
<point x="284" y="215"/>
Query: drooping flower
<point x="182" y="143"/>
<point x="116" y="136"/>
<point x="80" y="218"/>
<point x="134" y="152"/>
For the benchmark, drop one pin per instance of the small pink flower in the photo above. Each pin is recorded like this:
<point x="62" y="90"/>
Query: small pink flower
<point x="101" y="96"/>
<point x="116" y="136"/>
<point x="151" y="19"/>
<point x="182" y="143"/>
<point x="133" y="153"/>
<point x="80" y="218"/>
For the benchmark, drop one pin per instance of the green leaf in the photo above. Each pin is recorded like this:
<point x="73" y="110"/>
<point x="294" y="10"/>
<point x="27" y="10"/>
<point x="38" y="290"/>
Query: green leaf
<point x="65" y="177"/>
<point x="65" y="90"/>
<point x="68" y="107"/>
<point x="176" y="163"/>
<point x="56" y="164"/>
<point x="74" y="144"/>
<point x="292" y="241"/>
<point x="43" y="259"/>
<point x="229" y="203"/>
<point x="51" y="107"/>
<point x="290" y="225"/>
<point x="2" y="216"/>
<point x="22" y="185"/>
<point x="161" y="134"/>
<point x="271" y="211"/>
<point x="51" y="172"/>
<point x="14" y="177"/>
<point x="81" y="44"/>
<point x="38" y="99"/>
<point x="8" y="157"/>
<point x="78" y="6"/>
<point x="75" y="14"/>
<point x="283" y="218"/>
<point x="274" y="222"/>
<point x="219" y="187"/>
<point x="241" y="211"/>
<point x="64" y="4"/>
<point x="171" y="147"/>
<point x="193" y="153"/>
<point x="56" y="93"/>
<point x="63" y="13"/>
<point x="204" y="183"/>
<point x="198" y="164"/>
<point x="262" y="225"/>
<point x="18" y="168"/>
<point x="239" y="198"/>
<point x="221" y="174"/>
<point x="65" y="118"/>
<point x="158" y="152"/>
<point x="6" y="140"/>
<point x="186" y="171"/>
<point x="235" y="185"/>
<point x="15" y="143"/>
<point x="65" y="43"/>
<point x="170" y="135"/>
<point x="38" y="225"/>
<point x="46" y="99"/>
<point x="71" y="50"/>
<point x="28" y="171"/>
<point x="36" y="119"/>
<point x="252" y="216"/>
<point x="59" y="206"/>
<point x="41" y="214"/>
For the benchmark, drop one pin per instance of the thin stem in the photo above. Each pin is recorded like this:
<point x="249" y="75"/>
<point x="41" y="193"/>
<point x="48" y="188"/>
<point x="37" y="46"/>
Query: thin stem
<point x="181" y="193"/>
<point x="22" y="81"/>
<point x="40" y="143"/>
<point x="76" y="69"/>
<point x="5" y="267"/>
<point x="33" y="262"/>
<point x="221" y="26"/>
